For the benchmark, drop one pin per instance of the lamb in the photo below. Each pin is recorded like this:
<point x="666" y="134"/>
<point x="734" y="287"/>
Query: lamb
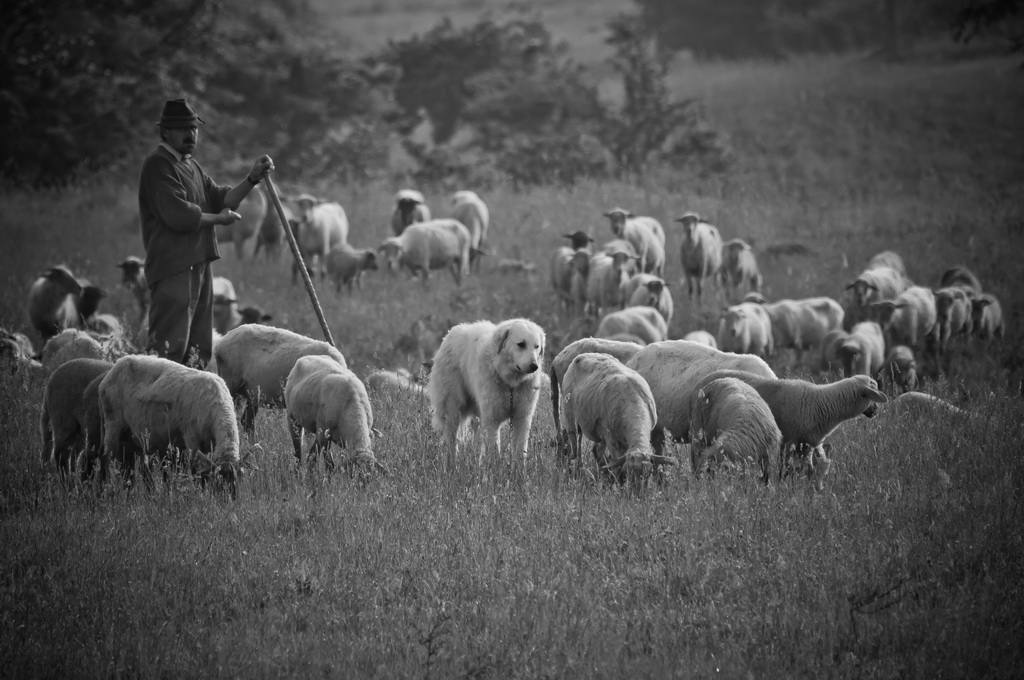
<point x="700" y="253"/>
<point x="646" y="235"/>
<point x="952" y="315"/>
<point x="740" y="272"/>
<point x="648" y="290"/>
<point x="255" y="360"/>
<point x="646" y="323"/>
<point x="910" y="318"/>
<point x="133" y="277"/>
<point x="672" y="368"/>
<point x="328" y="400"/>
<point x="71" y="343"/>
<point x="345" y="266"/>
<point x="899" y="370"/>
<point x="873" y="285"/>
<point x="164" y="404"/>
<point x="470" y="210"/>
<point x="863" y="350"/>
<point x="410" y="208"/>
<point x="51" y="302"/>
<point x="746" y="329"/>
<point x="961" y="277"/>
<point x="802" y="324"/>
<point x="987" y="316"/>
<point x="70" y="422"/>
<point x="604" y="275"/>
<point x="702" y="337"/>
<point x="612" y="406"/>
<point x="729" y="421"/>
<point x="562" y="270"/>
<point x="890" y="259"/>
<point x="435" y="244"/>
<point x="320" y="227"/>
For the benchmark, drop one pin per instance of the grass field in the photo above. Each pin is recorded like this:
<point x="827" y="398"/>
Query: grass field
<point x="908" y="564"/>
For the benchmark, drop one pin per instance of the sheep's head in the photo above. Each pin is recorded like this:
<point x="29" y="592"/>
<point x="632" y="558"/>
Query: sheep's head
<point x="622" y="264"/>
<point x="617" y="219"/>
<point x="254" y="315"/>
<point x="407" y="209"/>
<point x="304" y="205"/>
<point x="369" y="260"/>
<point x="868" y="395"/>
<point x="62" y="277"/>
<point x="579" y="239"/>
<point x="689" y="221"/>
<point x="632" y="467"/>
<point x="733" y="319"/>
<point x="862" y="291"/>
<point x="391" y="250"/>
<point x="131" y="269"/>
<point x="655" y="287"/>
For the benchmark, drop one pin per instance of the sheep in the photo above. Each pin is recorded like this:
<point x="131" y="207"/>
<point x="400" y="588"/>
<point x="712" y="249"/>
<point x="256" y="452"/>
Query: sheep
<point x="393" y="382"/>
<point x="872" y="285"/>
<point x="745" y="328"/>
<point x="952" y="315"/>
<point x="700" y="253"/>
<point x="410" y="208"/>
<point x="910" y="400"/>
<point x="987" y="316"/>
<point x="562" y="269"/>
<point x="51" y="302"/>
<point x="251" y="314"/>
<point x="71" y="343"/>
<point x="253" y="210"/>
<point x="319" y="227"/>
<point x="345" y="266"/>
<point x="805" y="412"/>
<point x="612" y="406"/>
<point x="645" y="323"/>
<point x="271" y="231"/>
<point x="470" y="210"/>
<point x="729" y="421"/>
<point x="961" y="277"/>
<point x="627" y="337"/>
<point x="603" y="275"/>
<point x="890" y="259"/>
<point x="14" y="358"/>
<point x="862" y="351"/>
<point x="164" y="404"/>
<point x="254" y="361"/>
<point x="671" y="368"/>
<point x="739" y="271"/>
<point x="899" y="370"/>
<point x="829" y="356"/>
<point x="328" y="400"/>
<point x="702" y="337"/>
<point x="646" y="235"/>
<point x="133" y="277"/>
<point x="70" y="422"/>
<point x="910" y="318"/>
<point x="225" y="305"/>
<point x="648" y="290"/>
<point x="802" y="324"/>
<point x="435" y="244"/>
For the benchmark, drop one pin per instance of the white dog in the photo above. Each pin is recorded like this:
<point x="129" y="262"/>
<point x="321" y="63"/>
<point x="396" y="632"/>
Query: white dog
<point x="492" y="372"/>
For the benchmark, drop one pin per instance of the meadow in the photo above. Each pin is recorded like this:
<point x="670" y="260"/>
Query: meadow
<point x="908" y="563"/>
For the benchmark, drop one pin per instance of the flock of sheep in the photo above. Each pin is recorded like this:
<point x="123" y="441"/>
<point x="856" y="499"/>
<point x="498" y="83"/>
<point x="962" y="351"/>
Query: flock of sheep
<point x="626" y="389"/>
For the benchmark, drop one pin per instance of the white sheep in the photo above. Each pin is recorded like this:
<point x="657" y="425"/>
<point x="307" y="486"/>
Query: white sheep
<point x="345" y="266"/>
<point x="51" y="302"/>
<point x="133" y="277"/>
<point x="740" y="272"/>
<point x="646" y="323"/>
<point x="72" y="343"/>
<point x="730" y="422"/>
<point x="745" y="328"/>
<point x="873" y="285"/>
<point x="672" y="368"/>
<point x="399" y="381"/>
<point x="987" y="316"/>
<point x="562" y="271"/>
<point x="319" y="227"/>
<point x="899" y="369"/>
<point x="225" y="305"/>
<point x="862" y="351"/>
<point x="702" y="337"/>
<point x="14" y="358"/>
<point x="410" y="208"/>
<point x="645" y="234"/>
<point x="69" y="424"/>
<point x="648" y="290"/>
<point x="910" y="318"/>
<point x="164" y="404"/>
<point x="253" y="210"/>
<point x="802" y="324"/>
<point x="612" y="406"/>
<point x="961" y="277"/>
<point x="603" y="275"/>
<point x="424" y="246"/>
<point x="700" y="254"/>
<point x="327" y="400"/>
<point x="952" y="315"/>
<point x="255" y="360"/>
<point x="470" y="210"/>
<point x="890" y="259"/>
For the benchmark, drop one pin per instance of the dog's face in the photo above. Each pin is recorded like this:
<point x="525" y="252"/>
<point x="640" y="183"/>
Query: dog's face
<point x="519" y="345"/>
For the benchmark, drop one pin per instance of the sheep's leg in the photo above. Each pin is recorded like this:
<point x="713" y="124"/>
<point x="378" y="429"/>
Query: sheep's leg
<point x="249" y="414"/>
<point x="295" y="430"/>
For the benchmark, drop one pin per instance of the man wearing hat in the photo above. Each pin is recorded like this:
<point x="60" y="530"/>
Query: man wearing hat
<point x="180" y="207"/>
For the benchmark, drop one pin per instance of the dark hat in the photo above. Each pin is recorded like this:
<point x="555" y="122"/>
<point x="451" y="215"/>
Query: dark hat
<point x="178" y="113"/>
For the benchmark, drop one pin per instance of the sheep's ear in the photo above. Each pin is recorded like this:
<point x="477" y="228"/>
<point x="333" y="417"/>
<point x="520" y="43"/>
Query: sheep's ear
<point x="875" y="396"/>
<point x="850" y="285"/>
<point x="872" y="286"/>
<point x="500" y="338"/>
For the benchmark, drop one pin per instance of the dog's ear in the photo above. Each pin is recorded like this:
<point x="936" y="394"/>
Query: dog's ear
<point x="500" y="337"/>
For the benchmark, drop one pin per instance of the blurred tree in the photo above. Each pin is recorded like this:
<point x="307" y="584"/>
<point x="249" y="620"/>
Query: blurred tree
<point x="1002" y="17"/>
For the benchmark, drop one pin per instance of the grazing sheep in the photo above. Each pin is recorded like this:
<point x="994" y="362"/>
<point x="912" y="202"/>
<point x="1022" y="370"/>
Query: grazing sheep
<point x="646" y="323"/>
<point x="872" y="285"/>
<point x="648" y="290"/>
<point x="319" y="227"/>
<point x="802" y="324"/>
<point x="51" y="302"/>
<point x="702" y="337"/>
<point x="746" y="329"/>
<point x="729" y="421"/>
<point x="961" y="277"/>
<point x="470" y="210"/>
<point x="603" y="275"/>
<point x="672" y="368"/>
<point x="327" y="400"/>
<point x="890" y="259"/>
<point x="922" y="401"/>
<point x="829" y="356"/>
<point x="987" y="316"/>
<point x="700" y="254"/>
<point x="69" y="424"/>
<point x="863" y="350"/>
<point x="436" y="244"/>
<point x="952" y="315"/>
<point x="164" y="404"/>
<point x="15" y="357"/>
<point x="133" y="277"/>
<point x="612" y="406"/>
<point x="345" y="266"/>
<point x="740" y="273"/>
<point x="253" y="209"/>
<point x="910" y="318"/>
<point x="562" y="270"/>
<point x="899" y="370"/>
<point x="255" y="360"/>
<point x="410" y="208"/>
<point x="71" y="343"/>
<point x="645" y="234"/>
<point x="492" y="372"/>
<point x="393" y="382"/>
